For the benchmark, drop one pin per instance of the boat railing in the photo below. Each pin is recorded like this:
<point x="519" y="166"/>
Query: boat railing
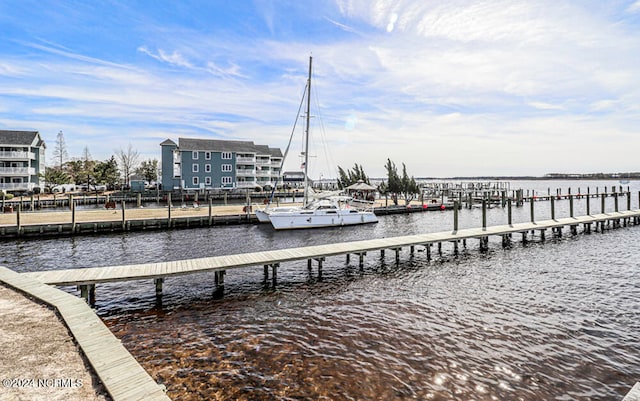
<point x="361" y="204"/>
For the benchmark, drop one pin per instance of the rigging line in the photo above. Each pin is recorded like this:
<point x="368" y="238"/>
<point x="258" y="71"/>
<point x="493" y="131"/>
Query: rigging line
<point x="324" y="140"/>
<point x="286" y="151"/>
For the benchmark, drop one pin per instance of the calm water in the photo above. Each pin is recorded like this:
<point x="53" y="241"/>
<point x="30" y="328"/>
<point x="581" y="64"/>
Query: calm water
<point x="554" y="320"/>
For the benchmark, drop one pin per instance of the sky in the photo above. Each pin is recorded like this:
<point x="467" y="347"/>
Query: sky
<point x="448" y="88"/>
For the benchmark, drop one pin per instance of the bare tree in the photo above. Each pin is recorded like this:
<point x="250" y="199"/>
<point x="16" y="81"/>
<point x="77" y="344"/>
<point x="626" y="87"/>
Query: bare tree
<point x="60" y="151"/>
<point x="129" y="159"/>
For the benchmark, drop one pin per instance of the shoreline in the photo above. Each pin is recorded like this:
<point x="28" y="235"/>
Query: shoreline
<point x="41" y="359"/>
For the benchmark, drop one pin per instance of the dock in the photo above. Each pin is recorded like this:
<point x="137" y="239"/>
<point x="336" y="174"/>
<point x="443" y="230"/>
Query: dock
<point x="122" y="376"/>
<point x="87" y="278"/>
<point x="20" y="224"/>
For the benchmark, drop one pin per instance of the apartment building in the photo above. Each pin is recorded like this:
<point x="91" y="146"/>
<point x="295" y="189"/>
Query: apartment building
<point x="21" y="160"/>
<point x="205" y="164"/>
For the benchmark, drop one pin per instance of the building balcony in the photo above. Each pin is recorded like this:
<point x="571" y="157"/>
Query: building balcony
<point x="17" y="186"/>
<point x="263" y="162"/>
<point x="245" y="160"/>
<point x="245" y="184"/>
<point x="9" y="155"/>
<point x="17" y="171"/>
<point x="245" y="173"/>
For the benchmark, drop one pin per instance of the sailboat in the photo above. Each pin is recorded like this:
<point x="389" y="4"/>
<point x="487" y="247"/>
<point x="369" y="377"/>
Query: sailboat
<point x="331" y="211"/>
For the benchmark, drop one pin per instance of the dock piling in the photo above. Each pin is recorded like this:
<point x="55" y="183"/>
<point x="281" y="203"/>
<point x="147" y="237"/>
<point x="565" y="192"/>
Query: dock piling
<point x="570" y="205"/>
<point x="158" y="283"/>
<point x="455" y="217"/>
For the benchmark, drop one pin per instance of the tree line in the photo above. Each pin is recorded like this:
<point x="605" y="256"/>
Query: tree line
<point x="397" y="186"/>
<point x="115" y="172"/>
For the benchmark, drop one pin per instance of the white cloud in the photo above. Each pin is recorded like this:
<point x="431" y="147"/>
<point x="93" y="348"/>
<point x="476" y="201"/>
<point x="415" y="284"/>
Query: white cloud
<point x="634" y="7"/>
<point x="449" y="88"/>
<point x="174" y="58"/>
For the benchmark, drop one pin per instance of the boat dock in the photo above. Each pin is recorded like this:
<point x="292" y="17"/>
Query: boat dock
<point x="87" y="278"/>
<point x="122" y="376"/>
<point x="122" y="219"/>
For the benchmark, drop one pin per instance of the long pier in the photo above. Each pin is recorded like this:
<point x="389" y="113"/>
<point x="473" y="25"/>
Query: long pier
<point x="87" y="278"/>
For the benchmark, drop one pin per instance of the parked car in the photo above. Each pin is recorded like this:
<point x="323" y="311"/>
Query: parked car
<point x="92" y="188"/>
<point x="64" y="188"/>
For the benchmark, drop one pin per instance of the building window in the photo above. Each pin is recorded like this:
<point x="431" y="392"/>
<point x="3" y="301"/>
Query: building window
<point x="207" y="181"/>
<point x="195" y="181"/>
<point x="207" y="155"/>
<point x="226" y="156"/>
<point x="226" y="181"/>
<point x="207" y="168"/>
<point x="227" y="168"/>
<point x="194" y="155"/>
<point x="195" y="168"/>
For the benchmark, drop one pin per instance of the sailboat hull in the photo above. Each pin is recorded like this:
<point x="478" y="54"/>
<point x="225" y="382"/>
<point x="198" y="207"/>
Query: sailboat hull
<point x="316" y="219"/>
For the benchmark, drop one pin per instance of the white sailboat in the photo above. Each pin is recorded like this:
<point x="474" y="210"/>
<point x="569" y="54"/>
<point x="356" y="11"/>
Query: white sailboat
<point x="329" y="211"/>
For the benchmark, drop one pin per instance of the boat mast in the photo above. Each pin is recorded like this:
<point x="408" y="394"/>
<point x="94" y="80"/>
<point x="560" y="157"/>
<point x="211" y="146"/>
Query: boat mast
<point x="306" y="136"/>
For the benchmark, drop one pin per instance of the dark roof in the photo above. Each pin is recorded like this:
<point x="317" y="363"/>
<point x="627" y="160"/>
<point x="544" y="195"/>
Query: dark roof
<point x="218" y="145"/>
<point x="275" y="152"/>
<point x="168" y="142"/>
<point x="19" y="137"/>
<point x="215" y="145"/>
<point x="263" y="150"/>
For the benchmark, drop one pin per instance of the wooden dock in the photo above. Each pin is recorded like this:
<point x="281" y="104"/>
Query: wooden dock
<point x="87" y="278"/>
<point x="633" y="394"/>
<point x="122" y="376"/>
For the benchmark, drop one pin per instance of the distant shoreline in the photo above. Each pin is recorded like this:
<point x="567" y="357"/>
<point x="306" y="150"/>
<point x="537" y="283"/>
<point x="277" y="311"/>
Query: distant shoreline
<point x="548" y="177"/>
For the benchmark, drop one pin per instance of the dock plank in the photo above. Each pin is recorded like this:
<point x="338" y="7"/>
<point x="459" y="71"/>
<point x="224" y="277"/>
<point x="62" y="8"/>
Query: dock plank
<point x="123" y="377"/>
<point x="227" y="262"/>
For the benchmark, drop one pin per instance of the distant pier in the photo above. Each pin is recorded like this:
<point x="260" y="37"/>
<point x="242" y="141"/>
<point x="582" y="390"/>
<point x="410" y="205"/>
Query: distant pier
<point x="127" y="218"/>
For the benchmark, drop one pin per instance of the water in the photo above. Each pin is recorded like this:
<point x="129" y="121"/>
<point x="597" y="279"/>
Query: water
<point x="553" y="320"/>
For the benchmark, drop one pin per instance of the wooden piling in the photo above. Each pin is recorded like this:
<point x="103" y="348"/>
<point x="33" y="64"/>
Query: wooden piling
<point x="18" y="217"/>
<point x="484" y="215"/>
<point x="570" y="205"/>
<point x="124" y="222"/>
<point x="455" y="217"/>
<point x="533" y="220"/>
<point x="210" y="212"/>
<point x="73" y="216"/>
<point x="158" y="283"/>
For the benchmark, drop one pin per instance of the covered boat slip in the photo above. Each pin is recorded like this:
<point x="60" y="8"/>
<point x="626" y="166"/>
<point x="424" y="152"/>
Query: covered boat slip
<point x="88" y="277"/>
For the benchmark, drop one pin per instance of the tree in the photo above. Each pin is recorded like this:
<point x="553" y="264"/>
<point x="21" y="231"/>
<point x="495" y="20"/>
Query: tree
<point x="393" y="186"/>
<point x="351" y="176"/>
<point x="396" y="185"/>
<point x="149" y="170"/>
<point x="75" y="170"/>
<point x="60" y="151"/>
<point x="107" y="172"/>
<point x="54" y="176"/>
<point x="88" y="166"/>
<point x="129" y="159"/>
<point x="410" y="189"/>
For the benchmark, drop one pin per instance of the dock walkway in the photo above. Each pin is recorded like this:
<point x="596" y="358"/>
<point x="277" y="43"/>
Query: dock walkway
<point x="273" y="258"/>
<point x="121" y="375"/>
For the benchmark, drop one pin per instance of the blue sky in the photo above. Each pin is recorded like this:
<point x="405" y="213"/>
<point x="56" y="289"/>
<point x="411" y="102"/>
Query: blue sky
<point x="447" y="87"/>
